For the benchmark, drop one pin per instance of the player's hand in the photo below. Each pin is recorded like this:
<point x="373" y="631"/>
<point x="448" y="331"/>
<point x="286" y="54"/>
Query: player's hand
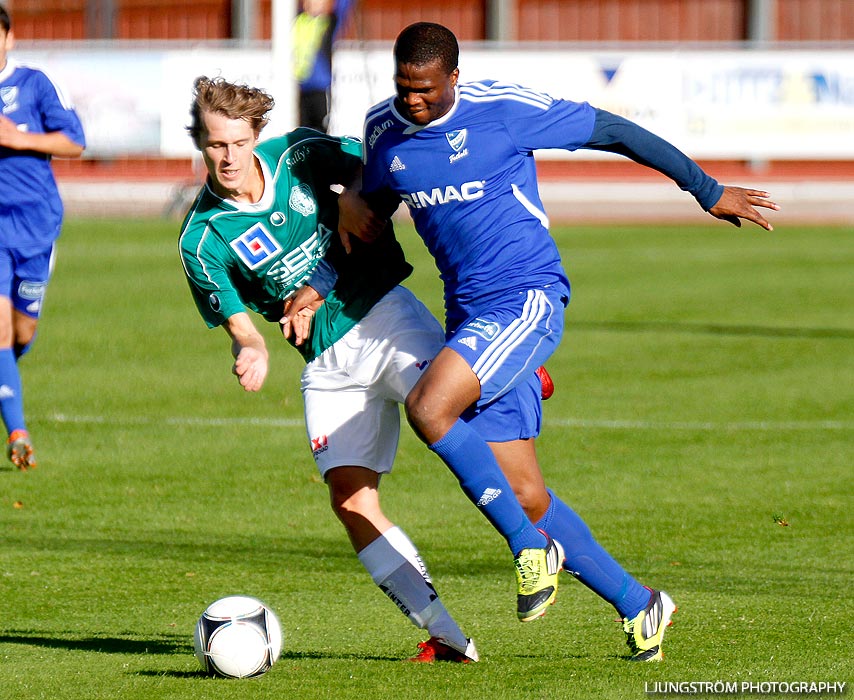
<point x="299" y="310"/>
<point x="10" y="137"/>
<point x="356" y="218"/>
<point x="737" y="203"/>
<point x="251" y="367"/>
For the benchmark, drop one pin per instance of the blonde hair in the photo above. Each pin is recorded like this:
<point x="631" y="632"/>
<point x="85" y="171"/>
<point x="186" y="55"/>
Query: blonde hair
<point x="232" y="100"/>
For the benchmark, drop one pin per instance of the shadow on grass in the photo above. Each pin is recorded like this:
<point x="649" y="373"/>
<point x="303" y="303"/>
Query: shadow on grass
<point x="167" y="646"/>
<point x="107" y="645"/>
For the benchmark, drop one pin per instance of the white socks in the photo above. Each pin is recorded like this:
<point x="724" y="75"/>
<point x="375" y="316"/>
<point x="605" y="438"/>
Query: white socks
<point x="396" y="567"/>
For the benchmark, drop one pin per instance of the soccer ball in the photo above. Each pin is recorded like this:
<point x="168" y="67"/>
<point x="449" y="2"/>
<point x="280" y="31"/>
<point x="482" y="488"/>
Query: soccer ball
<point x="237" y="637"/>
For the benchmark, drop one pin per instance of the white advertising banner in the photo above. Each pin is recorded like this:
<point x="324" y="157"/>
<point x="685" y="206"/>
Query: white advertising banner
<point x="136" y="102"/>
<point x="735" y="104"/>
<point x="727" y="105"/>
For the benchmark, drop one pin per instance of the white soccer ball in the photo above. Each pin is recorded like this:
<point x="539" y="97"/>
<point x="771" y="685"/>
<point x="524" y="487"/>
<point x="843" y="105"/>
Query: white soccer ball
<point x="237" y="637"/>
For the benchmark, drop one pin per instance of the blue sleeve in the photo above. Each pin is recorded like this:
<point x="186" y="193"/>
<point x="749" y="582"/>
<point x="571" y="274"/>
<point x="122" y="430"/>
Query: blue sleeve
<point x="615" y="134"/>
<point x="323" y="278"/>
<point x="57" y="116"/>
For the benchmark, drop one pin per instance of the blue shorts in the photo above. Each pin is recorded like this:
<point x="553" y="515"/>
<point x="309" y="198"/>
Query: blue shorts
<point x="24" y="275"/>
<point x="504" y="346"/>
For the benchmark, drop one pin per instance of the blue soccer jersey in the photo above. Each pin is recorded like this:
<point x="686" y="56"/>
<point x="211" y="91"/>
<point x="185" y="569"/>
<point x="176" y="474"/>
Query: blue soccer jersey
<point x="30" y="207"/>
<point x="469" y="181"/>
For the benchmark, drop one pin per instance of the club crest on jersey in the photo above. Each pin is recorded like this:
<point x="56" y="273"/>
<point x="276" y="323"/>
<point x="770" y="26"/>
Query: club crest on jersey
<point x="485" y="329"/>
<point x="9" y="96"/>
<point x="256" y="246"/>
<point x="301" y="200"/>
<point x="457" y="141"/>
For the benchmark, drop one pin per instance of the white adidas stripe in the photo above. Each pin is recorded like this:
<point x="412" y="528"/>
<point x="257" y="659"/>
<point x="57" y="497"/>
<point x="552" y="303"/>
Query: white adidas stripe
<point x="537" y="307"/>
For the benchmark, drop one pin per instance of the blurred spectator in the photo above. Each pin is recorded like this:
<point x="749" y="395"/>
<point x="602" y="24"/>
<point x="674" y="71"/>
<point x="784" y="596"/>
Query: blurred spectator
<point x="314" y="32"/>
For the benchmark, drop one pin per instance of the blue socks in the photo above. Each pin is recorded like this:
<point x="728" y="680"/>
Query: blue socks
<point x="11" y="401"/>
<point x="472" y="462"/>
<point x="588" y="561"/>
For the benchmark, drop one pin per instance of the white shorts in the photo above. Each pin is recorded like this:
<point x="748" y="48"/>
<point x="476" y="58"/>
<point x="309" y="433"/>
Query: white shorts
<point x="352" y="391"/>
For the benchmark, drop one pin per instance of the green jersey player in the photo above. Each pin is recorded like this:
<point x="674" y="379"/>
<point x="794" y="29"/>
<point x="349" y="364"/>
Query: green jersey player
<point x="265" y="225"/>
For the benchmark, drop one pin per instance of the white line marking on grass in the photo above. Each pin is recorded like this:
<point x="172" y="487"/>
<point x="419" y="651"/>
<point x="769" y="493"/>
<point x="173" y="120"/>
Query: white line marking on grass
<point x="732" y="426"/>
<point x="176" y="420"/>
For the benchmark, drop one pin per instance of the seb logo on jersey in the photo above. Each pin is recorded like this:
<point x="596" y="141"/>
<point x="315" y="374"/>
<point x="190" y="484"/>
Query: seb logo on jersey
<point x="292" y="269"/>
<point x="255" y="246"/>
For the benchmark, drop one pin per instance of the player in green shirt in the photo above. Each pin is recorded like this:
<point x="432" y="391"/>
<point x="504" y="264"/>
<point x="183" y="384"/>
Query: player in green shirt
<point x="264" y="225"/>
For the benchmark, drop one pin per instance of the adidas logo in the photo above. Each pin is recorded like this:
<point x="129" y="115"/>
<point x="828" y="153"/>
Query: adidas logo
<point x="396" y="164"/>
<point x="6" y="392"/>
<point x="488" y="496"/>
<point x="469" y="342"/>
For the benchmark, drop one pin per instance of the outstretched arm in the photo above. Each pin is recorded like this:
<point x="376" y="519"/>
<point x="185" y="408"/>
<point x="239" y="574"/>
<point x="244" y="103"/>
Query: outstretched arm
<point x="249" y="351"/>
<point x="618" y="135"/>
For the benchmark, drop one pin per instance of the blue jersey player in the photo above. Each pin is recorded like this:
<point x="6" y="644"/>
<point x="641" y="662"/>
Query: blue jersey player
<point x="460" y="156"/>
<point x="36" y="123"/>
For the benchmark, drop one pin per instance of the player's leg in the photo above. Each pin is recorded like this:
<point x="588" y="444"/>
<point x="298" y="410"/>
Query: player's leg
<point x="392" y="560"/>
<point x="517" y="459"/>
<point x="351" y="420"/>
<point x="23" y="279"/>
<point x="11" y="398"/>
<point x="485" y="358"/>
<point x="25" y="328"/>
<point x="645" y="612"/>
<point x="585" y="558"/>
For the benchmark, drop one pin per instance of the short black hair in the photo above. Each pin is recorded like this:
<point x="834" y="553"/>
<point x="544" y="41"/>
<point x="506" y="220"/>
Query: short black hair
<point x="425" y="42"/>
<point x="5" y="20"/>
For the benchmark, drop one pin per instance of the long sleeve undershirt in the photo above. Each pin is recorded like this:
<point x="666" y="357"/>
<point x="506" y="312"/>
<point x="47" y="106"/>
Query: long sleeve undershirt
<point x="615" y="134"/>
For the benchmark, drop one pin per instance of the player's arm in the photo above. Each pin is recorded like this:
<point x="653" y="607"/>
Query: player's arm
<point x="355" y="216"/>
<point x="615" y="134"/>
<point x="251" y="360"/>
<point x="299" y="310"/>
<point x="53" y="143"/>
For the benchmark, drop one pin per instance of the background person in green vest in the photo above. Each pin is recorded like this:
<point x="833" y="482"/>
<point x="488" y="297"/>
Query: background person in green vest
<point x="315" y="29"/>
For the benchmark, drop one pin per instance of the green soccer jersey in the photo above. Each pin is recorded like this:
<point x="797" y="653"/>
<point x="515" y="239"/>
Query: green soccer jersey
<point x="238" y="256"/>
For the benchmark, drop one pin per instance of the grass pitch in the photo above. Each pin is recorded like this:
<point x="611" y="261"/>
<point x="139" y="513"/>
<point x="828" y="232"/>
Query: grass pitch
<point x="702" y="425"/>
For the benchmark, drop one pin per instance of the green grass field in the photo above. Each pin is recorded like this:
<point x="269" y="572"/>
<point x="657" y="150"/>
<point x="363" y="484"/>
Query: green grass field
<point x="702" y="426"/>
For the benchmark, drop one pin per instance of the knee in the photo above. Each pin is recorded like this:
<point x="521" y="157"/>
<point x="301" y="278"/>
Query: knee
<point x="24" y="336"/>
<point x="24" y="330"/>
<point x="533" y="498"/>
<point x="419" y="412"/>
